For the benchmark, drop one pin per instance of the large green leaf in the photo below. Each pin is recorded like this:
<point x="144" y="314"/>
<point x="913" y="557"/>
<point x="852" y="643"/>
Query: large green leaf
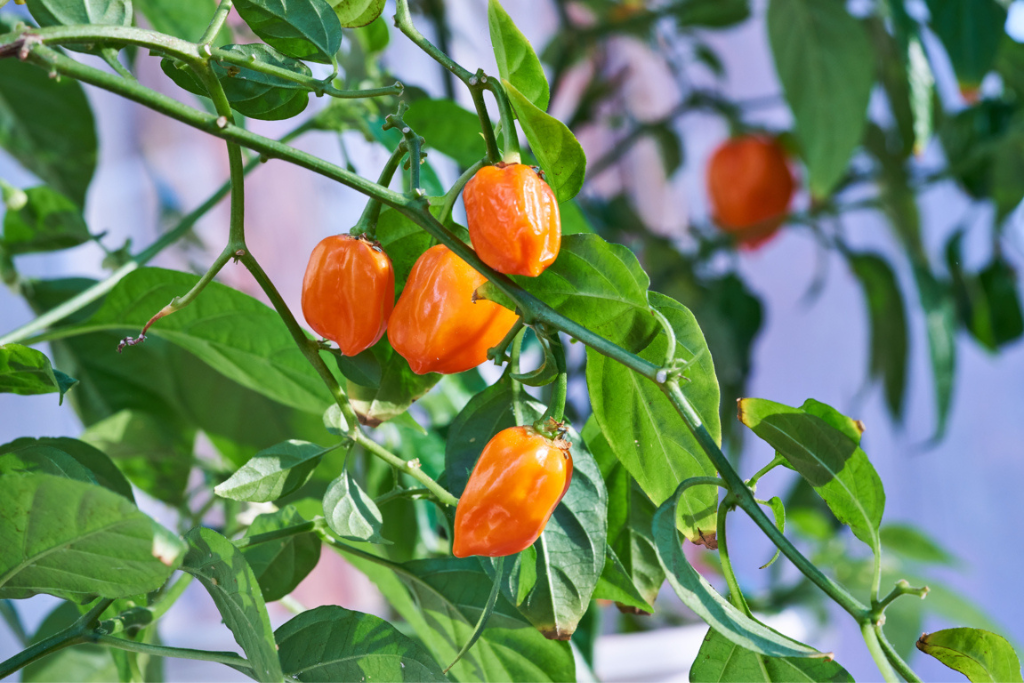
<point x="64" y="457"/>
<point x="401" y="239"/>
<point x="62" y="537"/>
<point x="448" y="128"/>
<point x="355" y="13"/>
<point x="600" y="286"/>
<point x="274" y="472"/>
<point x="888" y="324"/>
<point x="711" y="13"/>
<point x="826" y="67"/>
<point x="644" y="429"/>
<point x="236" y="334"/>
<point x="559" y="152"/>
<point x="279" y="566"/>
<point x="970" y="32"/>
<point x="350" y="512"/>
<point x="72" y="12"/>
<point x="697" y="594"/>
<point x="630" y="543"/>
<point x="517" y="62"/>
<point x="32" y="107"/>
<point x="982" y="656"/>
<point x="28" y="372"/>
<point x="722" y="661"/>
<point x="252" y="93"/>
<point x="301" y="29"/>
<point x="827" y="457"/>
<point x="914" y="544"/>
<point x="399" y="387"/>
<point x="940" y="324"/>
<point x="49" y="221"/>
<point x="331" y="643"/>
<point x="229" y="580"/>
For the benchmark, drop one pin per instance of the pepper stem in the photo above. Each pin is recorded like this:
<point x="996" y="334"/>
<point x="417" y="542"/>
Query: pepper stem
<point x="484" y="616"/>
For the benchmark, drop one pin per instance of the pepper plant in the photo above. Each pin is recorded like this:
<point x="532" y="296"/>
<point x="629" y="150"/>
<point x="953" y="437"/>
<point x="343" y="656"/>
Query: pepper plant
<point x="150" y="357"/>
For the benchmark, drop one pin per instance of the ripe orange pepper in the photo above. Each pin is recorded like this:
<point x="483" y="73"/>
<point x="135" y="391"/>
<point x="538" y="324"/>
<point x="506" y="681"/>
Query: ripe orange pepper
<point x="348" y="292"/>
<point x="750" y="186"/>
<point x="436" y="325"/>
<point x="513" y="220"/>
<point x="517" y="483"/>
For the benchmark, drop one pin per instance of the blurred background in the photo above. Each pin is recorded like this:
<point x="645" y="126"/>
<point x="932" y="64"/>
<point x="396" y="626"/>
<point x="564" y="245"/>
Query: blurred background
<point x="651" y="90"/>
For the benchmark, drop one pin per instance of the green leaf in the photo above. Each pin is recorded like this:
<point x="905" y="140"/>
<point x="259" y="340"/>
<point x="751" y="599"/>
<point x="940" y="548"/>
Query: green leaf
<point x="64" y="457"/>
<point x="32" y="106"/>
<point x="827" y="458"/>
<point x="486" y="414"/>
<point x="998" y="282"/>
<point x="448" y="128"/>
<point x="274" y="472"/>
<point x="645" y="431"/>
<point x="251" y="93"/>
<point x="185" y="19"/>
<point x="669" y="145"/>
<point x="697" y="594"/>
<point x="62" y="536"/>
<point x="48" y="222"/>
<point x="630" y="513"/>
<point x="722" y="661"/>
<point x="236" y="334"/>
<point x="28" y="372"/>
<point x="560" y="155"/>
<point x="979" y="655"/>
<point x="72" y="12"/>
<point x="970" y="33"/>
<point x="826" y="66"/>
<point x="362" y="369"/>
<point x="940" y="324"/>
<point x="281" y="565"/>
<point x="229" y="580"/>
<point x="154" y="455"/>
<point x="402" y="240"/>
<point x="1007" y="186"/>
<point x="779" y="513"/>
<point x="711" y="13"/>
<point x="331" y="643"/>
<point x="350" y="512"/>
<point x="399" y="387"/>
<point x="600" y="286"/>
<point x="355" y="13"/>
<point x="301" y="29"/>
<point x="78" y="663"/>
<point x="914" y="544"/>
<point x="888" y="323"/>
<point x="517" y="62"/>
<point x="617" y="584"/>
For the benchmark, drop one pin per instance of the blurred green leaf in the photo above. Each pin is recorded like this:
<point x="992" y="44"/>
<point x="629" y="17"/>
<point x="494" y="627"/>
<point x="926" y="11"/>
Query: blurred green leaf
<point x="274" y="472"/>
<point x="722" y="661"/>
<point x="826" y="66"/>
<point x="229" y="580"/>
<point x="76" y="533"/>
<point x="355" y="13"/>
<point x="448" y="128"/>
<point x="28" y="372"/>
<point x="331" y="643"/>
<point x="65" y="13"/>
<point x="517" y="62"/>
<point x="940" y="323"/>
<point x="914" y="544"/>
<point x="185" y="19"/>
<point x="560" y="155"/>
<point x="280" y="566"/>
<point x="711" y="13"/>
<point x="979" y="655"/>
<point x="301" y="29"/>
<point x="48" y="222"/>
<point x="971" y="33"/>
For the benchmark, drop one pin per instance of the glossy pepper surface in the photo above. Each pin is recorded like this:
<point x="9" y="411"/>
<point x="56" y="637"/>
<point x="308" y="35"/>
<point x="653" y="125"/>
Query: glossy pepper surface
<point x="750" y="186"/>
<point x="513" y="219"/>
<point x="436" y="325"/>
<point x="517" y="483"/>
<point x="348" y="292"/>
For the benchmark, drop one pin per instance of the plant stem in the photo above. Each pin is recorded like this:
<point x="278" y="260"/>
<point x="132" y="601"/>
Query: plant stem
<point x="219" y="17"/>
<point x="452" y="195"/>
<point x="368" y="220"/>
<point x="776" y="461"/>
<point x="275" y="535"/>
<point x="556" y="407"/>
<point x="229" y="658"/>
<point x="402" y="493"/>
<point x="477" y="91"/>
<point x="877" y="653"/>
<point x="902" y="668"/>
<point x="404" y="466"/>
<point x="723" y="554"/>
<point x="70" y="636"/>
<point x="512" y="153"/>
<point x="109" y="55"/>
<point x="481" y="624"/>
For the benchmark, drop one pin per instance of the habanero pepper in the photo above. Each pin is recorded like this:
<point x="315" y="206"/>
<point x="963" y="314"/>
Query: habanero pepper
<point x="513" y="219"/>
<point x="348" y="292"/>
<point x="436" y="325"/>
<point x="516" y="484"/>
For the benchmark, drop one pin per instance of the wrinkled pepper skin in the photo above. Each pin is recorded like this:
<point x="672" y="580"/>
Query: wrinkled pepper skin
<point x="436" y="326"/>
<point x="513" y="219"/>
<point x="750" y="186"/>
<point x="348" y="292"/>
<point x="517" y="483"/>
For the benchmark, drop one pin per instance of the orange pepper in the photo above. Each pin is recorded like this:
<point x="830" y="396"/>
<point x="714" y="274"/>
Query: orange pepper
<point x="517" y="483"/>
<point x="348" y="292"/>
<point x="513" y="220"/>
<point x="750" y="186"/>
<point x="436" y="325"/>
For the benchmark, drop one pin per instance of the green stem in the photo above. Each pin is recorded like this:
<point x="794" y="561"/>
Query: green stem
<point x="877" y="653"/>
<point x="402" y="493"/>
<point x="477" y="91"/>
<point x="452" y="195"/>
<point x="276" y="535"/>
<point x="481" y="623"/>
<point x="735" y="594"/>
<point x="170" y="596"/>
<point x="180" y="302"/>
<point x="109" y="55"/>
<point x="556" y="407"/>
<point x="219" y="17"/>
<point x="512" y="153"/>
<point x="666" y="326"/>
<point x="70" y="636"/>
<point x="404" y="466"/>
<point x="513" y="369"/>
<point x="497" y="352"/>
<point x="902" y="588"/>
<point x="902" y="668"/>
<point x="229" y="658"/>
<point x="368" y="220"/>
<point x="776" y="461"/>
